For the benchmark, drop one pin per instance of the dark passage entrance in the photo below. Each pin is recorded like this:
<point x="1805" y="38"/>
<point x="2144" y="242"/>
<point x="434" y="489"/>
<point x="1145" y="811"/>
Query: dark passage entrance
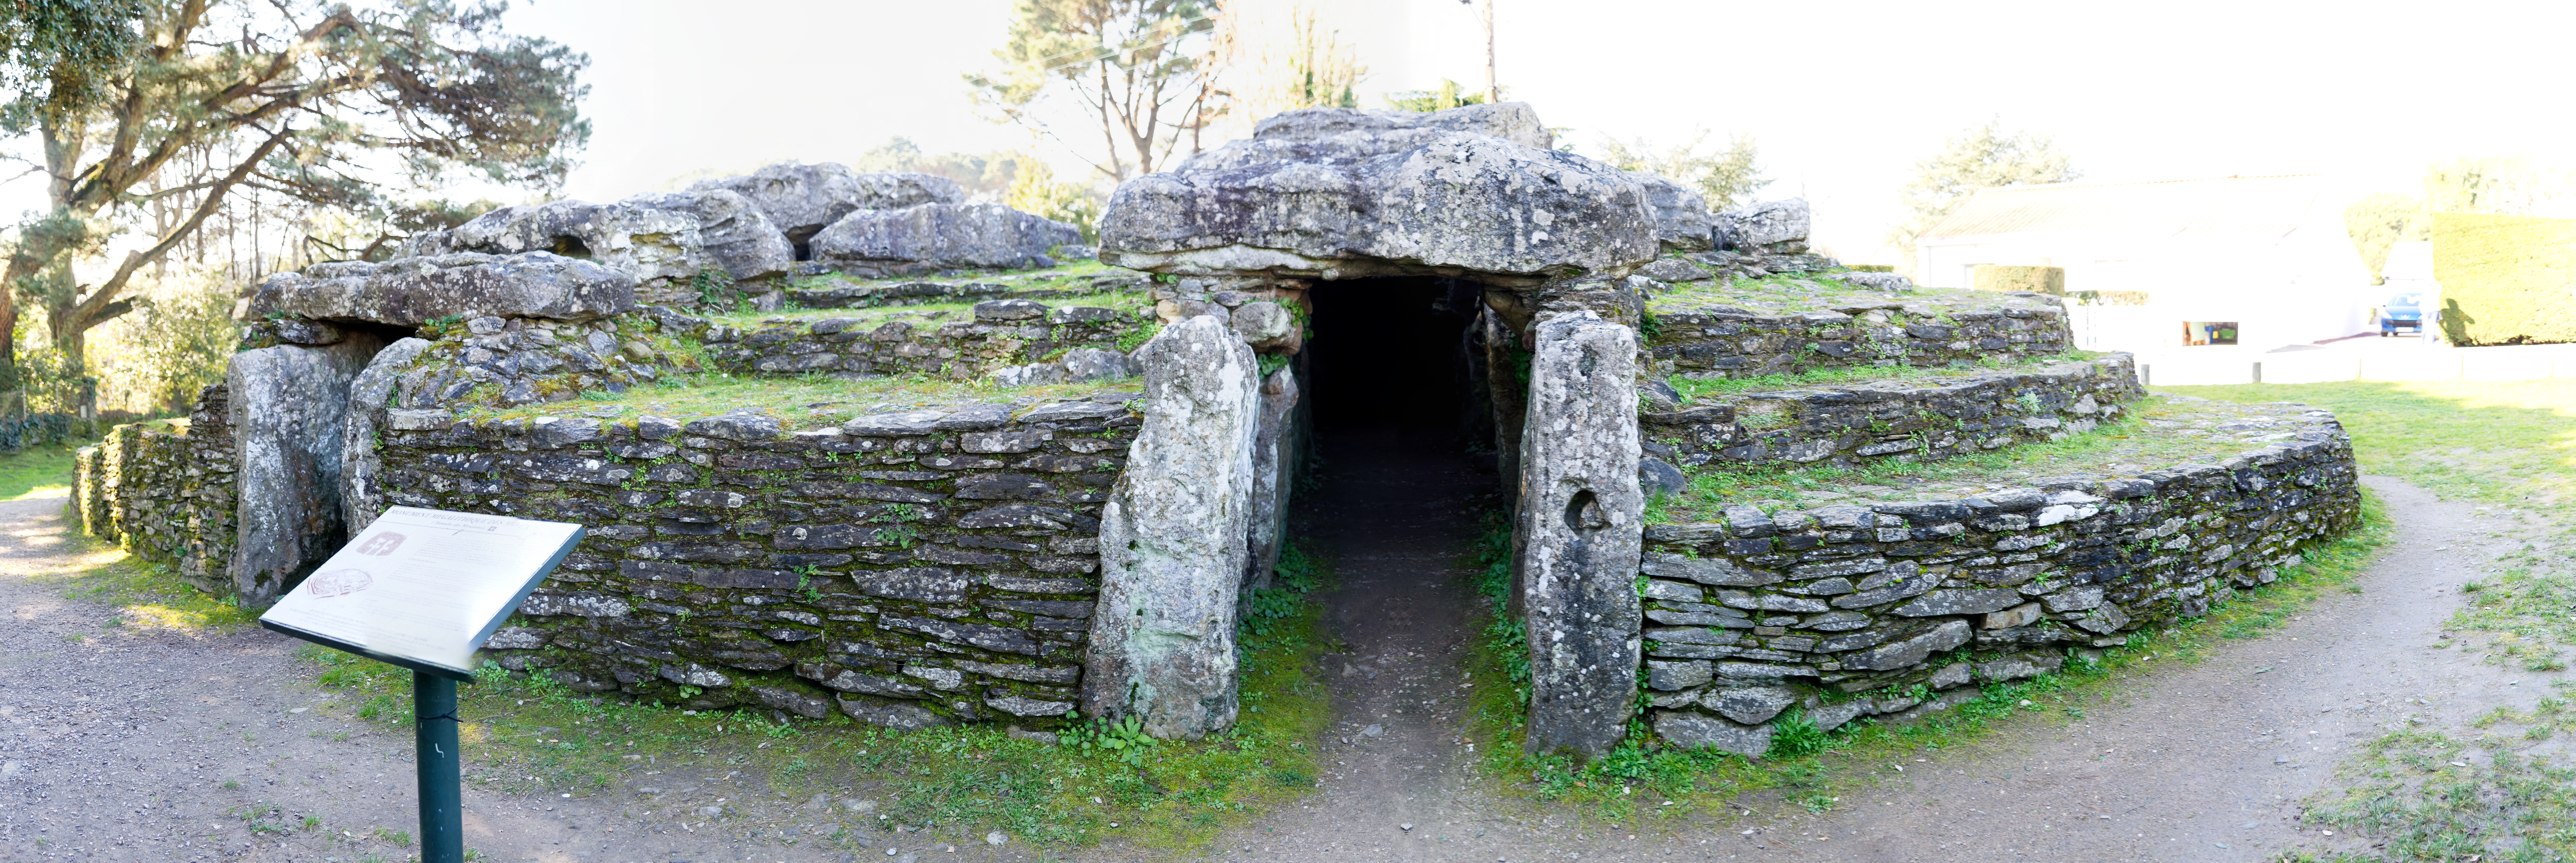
<point x="1394" y="388"/>
<point x="1389" y="360"/>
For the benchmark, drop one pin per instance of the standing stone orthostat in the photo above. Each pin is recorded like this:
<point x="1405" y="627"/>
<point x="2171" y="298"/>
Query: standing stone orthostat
<point x="288" y="409"/>
<point x="1172" y="539"/>
<point x="1274" y="465"/>
<point x="361" y="487"/>
<point x="1580" y="520"/>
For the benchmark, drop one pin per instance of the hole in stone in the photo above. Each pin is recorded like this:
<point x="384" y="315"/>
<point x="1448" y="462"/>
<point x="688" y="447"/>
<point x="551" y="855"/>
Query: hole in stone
<point x="1583" y="512"/>
<point x="570" y="247"/>
<point x="803" y="240"/>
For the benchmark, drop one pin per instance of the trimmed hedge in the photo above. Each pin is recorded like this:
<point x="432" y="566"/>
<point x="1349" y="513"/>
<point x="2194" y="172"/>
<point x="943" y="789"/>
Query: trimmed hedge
<point x="2506" y="280"/>
<point x="2007" y="277"/>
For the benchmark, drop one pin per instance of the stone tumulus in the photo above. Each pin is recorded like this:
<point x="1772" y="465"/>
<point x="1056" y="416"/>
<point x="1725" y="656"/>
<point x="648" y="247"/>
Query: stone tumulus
<point x="1076" y="534"/>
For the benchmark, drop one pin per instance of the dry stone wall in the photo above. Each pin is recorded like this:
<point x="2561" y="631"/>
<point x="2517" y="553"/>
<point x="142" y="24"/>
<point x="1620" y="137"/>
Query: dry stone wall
<point x="1849" y="425"/>
<point x="907" y="569"/>
<point x="1734" y="342"/>
<point x="995" y="335"/>
<point x="1844" y="609"/>
<point x="164" y="490"/>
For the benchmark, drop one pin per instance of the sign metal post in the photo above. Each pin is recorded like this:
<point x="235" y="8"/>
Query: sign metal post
<point x="423" y="589"/>
<point x="442" y="801"/>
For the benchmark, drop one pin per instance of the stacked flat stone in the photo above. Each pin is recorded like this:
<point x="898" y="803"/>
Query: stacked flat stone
<point x="1729" y="341"/>
<point x="519" y="361"/>
<point x="164" y="490"/>
<point x="996" y="334"/>
<point x="1852" y="425"/>
<point x="1839" y="609"/>
<point x="908" y="569"/>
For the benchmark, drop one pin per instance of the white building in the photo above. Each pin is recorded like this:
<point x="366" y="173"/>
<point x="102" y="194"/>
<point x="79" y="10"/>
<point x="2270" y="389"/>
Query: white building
<point x="2265" y="257"/>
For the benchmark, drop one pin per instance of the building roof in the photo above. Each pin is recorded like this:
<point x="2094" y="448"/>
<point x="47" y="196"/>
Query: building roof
<point x="2216" y="207"/>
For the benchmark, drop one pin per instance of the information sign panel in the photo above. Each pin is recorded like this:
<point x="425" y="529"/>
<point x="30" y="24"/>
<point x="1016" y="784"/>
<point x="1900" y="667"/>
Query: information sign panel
<point x="423" y="588"/>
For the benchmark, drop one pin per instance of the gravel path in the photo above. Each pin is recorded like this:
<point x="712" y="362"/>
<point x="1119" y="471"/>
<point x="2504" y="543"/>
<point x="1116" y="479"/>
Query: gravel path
<point x="151" y="744"/>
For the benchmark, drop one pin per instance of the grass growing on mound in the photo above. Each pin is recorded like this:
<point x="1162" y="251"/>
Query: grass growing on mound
<point x="1134" y="302"/>
<point x="2128" y="441"/>
<point x="807" y="401"/>
<point x="1812" y="770"/>
<point x="527" y="734"/>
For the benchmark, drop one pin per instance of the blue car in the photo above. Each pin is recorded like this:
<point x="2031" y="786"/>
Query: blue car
<point x="2401" y="312"/>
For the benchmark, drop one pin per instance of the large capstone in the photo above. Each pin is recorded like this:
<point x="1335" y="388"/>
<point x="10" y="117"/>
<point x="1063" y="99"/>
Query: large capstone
<point x="413" y="291"/>
<point x="1449" y="205"/>
<point x="287" y="413"/>
<point x="1172" y="539"/>
<point x="663" y="241"/>
<point x="1511" y="121"/>
<point x="932" y="237"/>
<point x="370" y="395"/>
<point x="1580" y="513"/>
<point x="800" y="199"/>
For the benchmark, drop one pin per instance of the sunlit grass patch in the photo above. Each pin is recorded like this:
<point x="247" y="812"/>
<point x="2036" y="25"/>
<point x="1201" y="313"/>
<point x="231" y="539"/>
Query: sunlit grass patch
<point x="44" y="470"/>
<point x="147" y="595"/>
<point x="2427" y="796"/>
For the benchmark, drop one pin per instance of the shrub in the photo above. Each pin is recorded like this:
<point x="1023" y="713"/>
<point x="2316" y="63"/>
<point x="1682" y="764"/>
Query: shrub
<point x="2006" y="277"/>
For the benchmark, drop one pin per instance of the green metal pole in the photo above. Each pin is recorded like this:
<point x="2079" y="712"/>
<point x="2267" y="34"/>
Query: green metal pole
<point x="442" y="814"/>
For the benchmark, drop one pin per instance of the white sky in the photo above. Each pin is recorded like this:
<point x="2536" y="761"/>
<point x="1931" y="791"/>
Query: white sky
<point x="1843" y="97"/>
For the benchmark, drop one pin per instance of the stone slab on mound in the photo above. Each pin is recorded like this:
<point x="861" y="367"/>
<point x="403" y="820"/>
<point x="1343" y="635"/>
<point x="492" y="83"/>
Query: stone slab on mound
<point x="932" y="237"/>
<point x="1682" y="220"/>
<point x="512" y="362"/>
<point x="1882" y="588"/>
<point x="1454" y="205"/>
<point x="800" y="199"/>
<point x="1932" y="416"/>
<point x="1516" y="122"/>
<point x="662" y="241"/>
<point x="413" y="291"/>
<point x="1346" y="135"/>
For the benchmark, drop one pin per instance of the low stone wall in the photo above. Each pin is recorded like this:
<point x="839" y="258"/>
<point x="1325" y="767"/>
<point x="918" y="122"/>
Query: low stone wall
<point x="164" y="491"/>
<point x="1730" y="342"/>
<point x="997" y="334"/>
<point x="1849" y="425"/>
<point x="832" y="293"/>
<point x="1762" y="612"/>
<point x="914" y="569"/>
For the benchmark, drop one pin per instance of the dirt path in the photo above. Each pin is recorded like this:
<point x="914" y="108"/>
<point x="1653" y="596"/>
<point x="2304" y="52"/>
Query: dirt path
<point x="154" y="744"/>
<point x="120" y="745"/>
<point x="2204" y="762"/>
<point x="2209" y="761"/>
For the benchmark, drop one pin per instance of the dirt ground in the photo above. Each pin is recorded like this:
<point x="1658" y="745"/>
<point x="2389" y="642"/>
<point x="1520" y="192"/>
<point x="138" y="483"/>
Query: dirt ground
<point x="131" y="744"/>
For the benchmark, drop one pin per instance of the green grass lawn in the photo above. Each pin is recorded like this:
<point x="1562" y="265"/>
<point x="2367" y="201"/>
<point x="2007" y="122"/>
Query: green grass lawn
<point x="44" y="470"/>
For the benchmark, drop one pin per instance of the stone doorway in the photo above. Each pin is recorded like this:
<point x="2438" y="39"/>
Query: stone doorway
<point x="1392" y="362"/>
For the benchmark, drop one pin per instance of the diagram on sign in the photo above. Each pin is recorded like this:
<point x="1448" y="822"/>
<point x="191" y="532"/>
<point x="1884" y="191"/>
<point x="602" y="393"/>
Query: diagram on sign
<point x="339" y="582"/>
